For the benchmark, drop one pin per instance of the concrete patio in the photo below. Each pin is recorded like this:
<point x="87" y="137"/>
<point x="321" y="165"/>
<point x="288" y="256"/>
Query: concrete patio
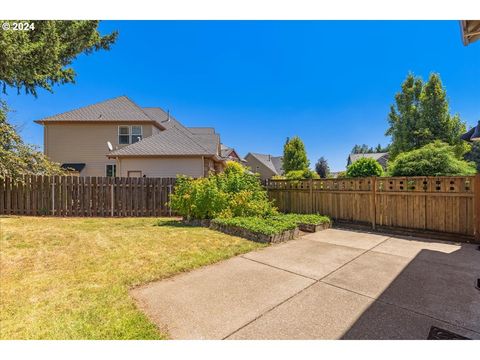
<point x="334" y="284"/>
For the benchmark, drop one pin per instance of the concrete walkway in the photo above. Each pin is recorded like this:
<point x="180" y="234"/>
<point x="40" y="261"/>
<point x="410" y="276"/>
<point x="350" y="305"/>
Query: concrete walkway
<point x="334" y="284"/>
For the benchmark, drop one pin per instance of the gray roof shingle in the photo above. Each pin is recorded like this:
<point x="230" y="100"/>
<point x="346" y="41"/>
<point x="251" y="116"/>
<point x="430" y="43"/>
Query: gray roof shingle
<point x="117" y="109"/>
<point x="176" y="139"/>
<point x="202" y="130"/>
<point x="274" y="163"/>
<point x="163" y="118"/>
<point x="382" y="158"/>
<point x="171" y="142"/>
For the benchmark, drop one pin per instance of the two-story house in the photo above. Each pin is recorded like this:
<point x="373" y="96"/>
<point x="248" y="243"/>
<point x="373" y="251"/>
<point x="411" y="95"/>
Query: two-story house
<point x="119" y="138"/>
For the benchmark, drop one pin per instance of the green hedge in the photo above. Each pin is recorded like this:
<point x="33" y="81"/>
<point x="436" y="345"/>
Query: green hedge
<point x="309" y="219"/>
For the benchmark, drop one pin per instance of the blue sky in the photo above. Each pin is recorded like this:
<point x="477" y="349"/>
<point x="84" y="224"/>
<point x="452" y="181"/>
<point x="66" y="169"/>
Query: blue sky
<point x="258" y="82"/>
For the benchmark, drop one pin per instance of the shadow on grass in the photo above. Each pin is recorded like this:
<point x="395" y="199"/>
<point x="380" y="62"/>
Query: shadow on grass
<point x="173" y="223"/>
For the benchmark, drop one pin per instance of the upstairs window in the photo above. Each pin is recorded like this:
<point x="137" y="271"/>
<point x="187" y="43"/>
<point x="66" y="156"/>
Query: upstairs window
<point x="129" y="134"/>
<point x="136" y="134"/>
<point x="124" y="134"/>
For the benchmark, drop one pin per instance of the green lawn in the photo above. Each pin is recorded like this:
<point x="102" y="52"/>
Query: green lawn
<point x="68" y="278"/>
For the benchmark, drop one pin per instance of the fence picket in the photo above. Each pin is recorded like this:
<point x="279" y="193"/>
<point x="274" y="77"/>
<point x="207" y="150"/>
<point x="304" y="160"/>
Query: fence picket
<point x="436" y="204"/>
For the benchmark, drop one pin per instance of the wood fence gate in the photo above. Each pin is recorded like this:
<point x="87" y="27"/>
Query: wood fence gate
<point x="86" y="196"/>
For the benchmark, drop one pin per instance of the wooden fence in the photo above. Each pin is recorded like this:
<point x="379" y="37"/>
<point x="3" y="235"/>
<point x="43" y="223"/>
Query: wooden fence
<point x="449" y="205"/>
<point x="437" y="204"/>
<point x="86" y="196"/>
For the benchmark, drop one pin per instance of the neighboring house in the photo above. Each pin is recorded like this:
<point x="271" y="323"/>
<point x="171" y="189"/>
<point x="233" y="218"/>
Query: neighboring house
<point x="230" y="154"/>
<point x="264" y="164"/>
<point x="382" y="158"/>
<point x="145" y="142"/>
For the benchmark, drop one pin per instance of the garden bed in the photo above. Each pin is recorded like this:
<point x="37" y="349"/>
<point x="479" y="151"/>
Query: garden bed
<point x="313" y="227"/>
<point x="253" y="235"/>
<point x="273" y="229"/>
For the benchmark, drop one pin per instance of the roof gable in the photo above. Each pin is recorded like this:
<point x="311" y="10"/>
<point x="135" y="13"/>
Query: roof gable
<point x="274" y="163"/>
<point x="117" y="109"/>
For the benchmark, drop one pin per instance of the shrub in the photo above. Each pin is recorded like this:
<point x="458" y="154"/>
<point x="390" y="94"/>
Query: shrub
<point x="266" y="226"/>
<point x="273" y="225"/>
<point x="310" y="219"/>
<point x="301" y="175"/>
<point x="197" y="198"/>
<point x="364" y="167"/>
<point x="234" y="192"/>
<point x="434" y="159"/>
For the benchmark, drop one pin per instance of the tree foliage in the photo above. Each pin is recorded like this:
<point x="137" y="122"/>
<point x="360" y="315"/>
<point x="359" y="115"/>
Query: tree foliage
<point x="301" y="175"/>
<point x="474" y="154"/>
<point x="322" y="168"/>
<point x="434" y="159"/>
<point x="294" y="155"/>
<point x="18" y="159"/>
<point x="364" y="167"/>
<point x="365" y="149"/>
<point x="42" y="57"/>
<point x="421" y="115"/>
<point x="234" y="192"/>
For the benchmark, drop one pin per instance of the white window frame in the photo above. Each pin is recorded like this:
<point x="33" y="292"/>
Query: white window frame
<point x="130" y="135"/>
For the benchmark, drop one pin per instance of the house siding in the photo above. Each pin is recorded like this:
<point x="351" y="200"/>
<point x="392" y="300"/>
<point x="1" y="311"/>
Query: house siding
<point x="258" y="167"/>
<point x="84" y="143"/>
<point x="162" y="167"/>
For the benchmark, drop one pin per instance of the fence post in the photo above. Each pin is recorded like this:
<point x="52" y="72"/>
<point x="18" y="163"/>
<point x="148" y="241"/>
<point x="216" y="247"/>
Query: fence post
<point x="476" y="206"/>
<point x="374" y="201"/>
<point x="53" y="195"/>
<point x="310" y="186"/>
<point x="169" y="187"/>
<point x="112" y="199"/>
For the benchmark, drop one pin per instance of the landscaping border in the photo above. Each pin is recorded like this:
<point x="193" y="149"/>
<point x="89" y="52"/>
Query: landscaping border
<point x="254" y="236"/>
<point x="257" y="236"/>
<point x="314" y="227"/>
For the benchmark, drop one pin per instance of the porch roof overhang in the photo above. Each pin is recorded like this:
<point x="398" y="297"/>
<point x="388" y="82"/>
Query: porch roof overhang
<point x="470" y="31"/>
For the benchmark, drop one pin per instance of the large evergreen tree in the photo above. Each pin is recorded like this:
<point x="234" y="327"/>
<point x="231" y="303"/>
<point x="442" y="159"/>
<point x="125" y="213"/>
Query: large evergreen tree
<point x="294" y="155"/>
<point x="421" y="115"/>
<point x="39" y="58"/>
<point x="322" y="168"/>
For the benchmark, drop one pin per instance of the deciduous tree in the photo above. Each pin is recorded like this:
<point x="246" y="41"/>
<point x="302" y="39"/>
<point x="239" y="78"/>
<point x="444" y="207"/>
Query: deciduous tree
<point x="294" y="155"/>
